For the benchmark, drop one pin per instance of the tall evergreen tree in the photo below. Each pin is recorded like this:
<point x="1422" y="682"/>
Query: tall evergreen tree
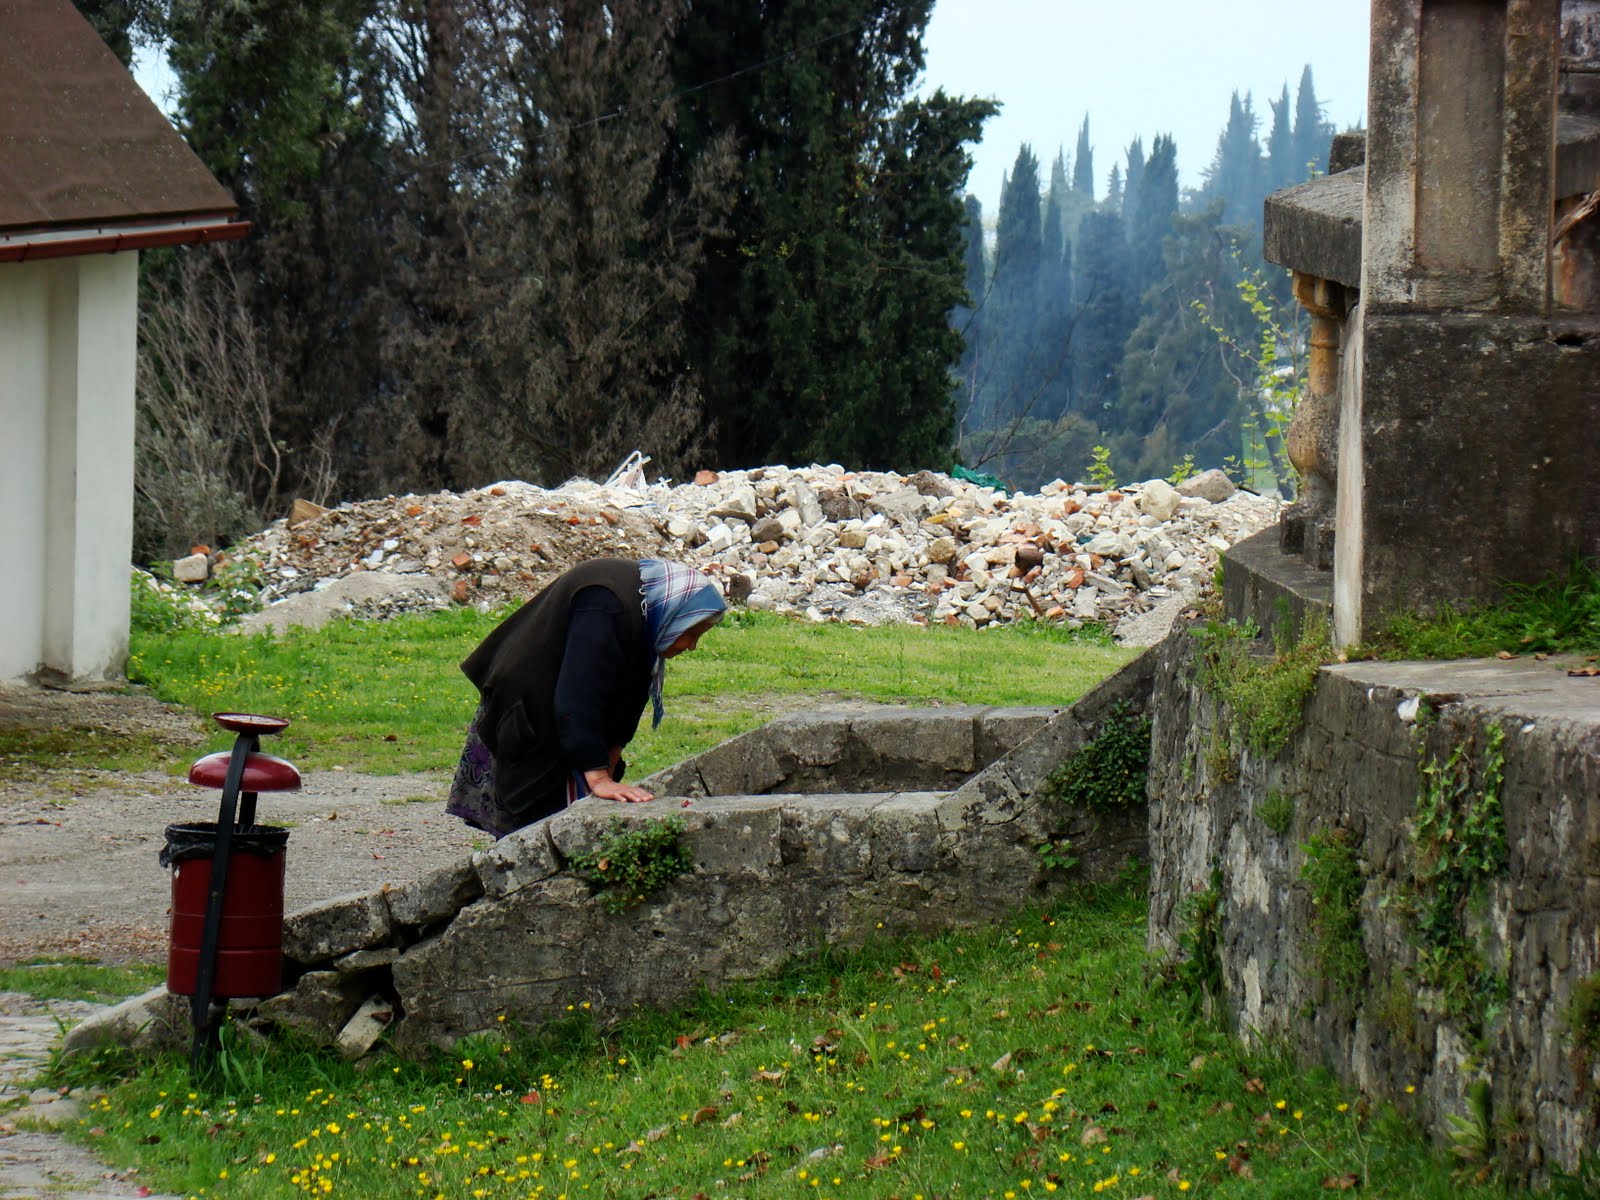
<point x="1177" y="396"/>
<point x="1114" y="187"/>
<point x="1017" y="381"/>
<point x="795" y="303"/>
<point x="1312" y="134"/>
<point x="971" y="317"/>
<point x="1234" y="175"/>
<point x="1105" y="313"/>
<point x="1133" y="181"/>
<point x="1281" y="168"/>
<point x="1083" y="162"/>
<point x="1150" y="221"/>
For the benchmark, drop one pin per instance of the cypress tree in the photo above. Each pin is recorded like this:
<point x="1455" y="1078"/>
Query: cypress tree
<point x="1104" y="313"/>
<point x="1282" y="170"/>
<point x="1151" y="218"/>
<point x="1083" y="162"/>
<point x="1312" y="134"/>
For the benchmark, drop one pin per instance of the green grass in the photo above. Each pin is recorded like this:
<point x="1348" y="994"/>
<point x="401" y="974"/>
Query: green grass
<point x="389" y="696"/>
<point x="1559" y="616"/>
<point x="1036" y="1057"/>
<point x="26" y="753"/>
<point x="66" y="978"/>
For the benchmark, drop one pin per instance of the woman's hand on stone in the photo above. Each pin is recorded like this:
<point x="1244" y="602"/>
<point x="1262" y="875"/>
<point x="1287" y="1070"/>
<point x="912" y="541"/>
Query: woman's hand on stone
<point x="603" y="786"/>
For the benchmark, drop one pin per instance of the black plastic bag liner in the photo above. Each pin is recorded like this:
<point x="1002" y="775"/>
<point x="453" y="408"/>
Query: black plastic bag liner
<point x="200" y="841"/>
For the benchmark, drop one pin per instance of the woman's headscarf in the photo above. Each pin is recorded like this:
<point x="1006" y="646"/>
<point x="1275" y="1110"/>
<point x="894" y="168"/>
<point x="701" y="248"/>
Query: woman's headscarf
<point x="676" y="599"/>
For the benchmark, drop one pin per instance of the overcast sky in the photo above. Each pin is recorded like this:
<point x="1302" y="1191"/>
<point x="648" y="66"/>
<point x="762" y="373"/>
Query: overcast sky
<point x="1137" y="69"/>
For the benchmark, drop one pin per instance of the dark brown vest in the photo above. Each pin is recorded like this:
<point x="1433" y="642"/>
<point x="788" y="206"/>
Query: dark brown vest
<point x="515" y="670"/>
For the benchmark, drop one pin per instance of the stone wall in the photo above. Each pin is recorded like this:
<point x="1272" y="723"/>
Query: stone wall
<point x="814" y="831"/>
<point x="1350" y="777"/>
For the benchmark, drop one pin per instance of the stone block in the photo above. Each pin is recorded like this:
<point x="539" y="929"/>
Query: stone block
<point x="362" y="1031"/>
<point x="435" y="897"/>
<point x="516" y="861"/>
<point x="366" y="960"/>
<point x="828" y="835"/>
<point x="1213" y="486"/>
<point x="317" y="1007"/>
<point x="148" y="1023"/>
<point x="742" y="766"/>
<point x="905" y="833"/>
<point x="325" y="931"/>
<point x="928" y="740"/>
<point x="809" y="739"/>
<point x="682" y="779"/>
<point x="1030" y="764"/>
<point x="999" y="731"/>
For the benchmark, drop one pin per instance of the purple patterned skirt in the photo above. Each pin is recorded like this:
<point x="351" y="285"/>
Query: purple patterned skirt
<point x="472" y="795"/>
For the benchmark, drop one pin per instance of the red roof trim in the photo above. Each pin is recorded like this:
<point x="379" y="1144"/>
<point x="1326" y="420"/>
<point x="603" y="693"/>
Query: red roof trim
<point x="111" y="243"/>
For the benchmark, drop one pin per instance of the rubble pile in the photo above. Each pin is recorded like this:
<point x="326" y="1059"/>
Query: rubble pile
<point x="865" y="547"/>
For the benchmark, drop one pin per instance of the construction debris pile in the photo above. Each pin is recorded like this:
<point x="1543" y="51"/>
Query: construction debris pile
<point x="864" y="547"/>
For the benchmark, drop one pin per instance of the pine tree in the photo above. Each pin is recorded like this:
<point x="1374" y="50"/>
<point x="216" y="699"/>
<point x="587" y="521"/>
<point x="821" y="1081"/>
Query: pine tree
<point x="1017" y="381"/>
<point x="1104" y="312"/>
<point x="1176" y="396"/>
<point x="1312" y="134"/>
<point x="796" y="303"/>
<point x="1083" y="162"/>
<point x="1282" y="170"/>
<point x="1133" y="181"/>
<point x="1234" y="175"/>
<point x="1150" y="221"/>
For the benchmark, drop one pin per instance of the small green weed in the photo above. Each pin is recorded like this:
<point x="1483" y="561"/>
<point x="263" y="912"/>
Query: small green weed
<point x="1056" y="855"/>
<point x="1183" y="470"/>
<point x="1460" y="839"/>
<point x="1276" y="812"/>
<point x="632" y="862"/>
<point x="1334" y="875"/>
<point x="1265" y="695"/>
<point x="1100" y="471"/>
<point x="1110" y="771"/>
<point x="1198" y="973"/>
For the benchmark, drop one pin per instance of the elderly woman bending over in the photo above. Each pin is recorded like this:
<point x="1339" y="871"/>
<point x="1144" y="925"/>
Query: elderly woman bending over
<point x="563" y="682"/>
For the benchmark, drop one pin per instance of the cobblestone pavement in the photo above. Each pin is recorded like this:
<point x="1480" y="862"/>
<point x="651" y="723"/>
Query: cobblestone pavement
<point x="36" y="1163"/>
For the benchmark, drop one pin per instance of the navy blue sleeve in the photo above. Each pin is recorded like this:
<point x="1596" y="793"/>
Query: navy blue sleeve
<point x="590" y="670"/>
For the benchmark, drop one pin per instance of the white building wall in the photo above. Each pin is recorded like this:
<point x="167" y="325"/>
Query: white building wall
<point x="74" y="403"/>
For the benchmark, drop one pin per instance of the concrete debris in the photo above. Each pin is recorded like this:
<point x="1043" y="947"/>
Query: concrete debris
<point x="863" y="547"/>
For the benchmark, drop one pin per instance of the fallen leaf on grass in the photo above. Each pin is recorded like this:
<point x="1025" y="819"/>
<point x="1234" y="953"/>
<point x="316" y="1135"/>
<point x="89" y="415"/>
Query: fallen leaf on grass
<point x="877" y="1161"/>
<point x="1341" y="1183"/>
<point x="532" y="1098"/>
<point x="702" y="1115"/>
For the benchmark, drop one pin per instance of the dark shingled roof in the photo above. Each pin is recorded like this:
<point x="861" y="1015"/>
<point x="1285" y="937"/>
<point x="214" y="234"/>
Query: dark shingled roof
<point x="81" y="146"/>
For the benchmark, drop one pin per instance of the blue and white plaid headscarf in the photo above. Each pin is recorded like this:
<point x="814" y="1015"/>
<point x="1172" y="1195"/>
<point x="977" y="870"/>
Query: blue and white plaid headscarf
<point x="676" y="599"/>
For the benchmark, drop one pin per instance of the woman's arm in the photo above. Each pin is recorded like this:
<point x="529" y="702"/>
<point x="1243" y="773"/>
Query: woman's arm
<point x="593" y="666"/>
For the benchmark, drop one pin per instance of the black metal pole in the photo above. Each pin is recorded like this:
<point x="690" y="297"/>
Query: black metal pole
<point x="206" y="969"/>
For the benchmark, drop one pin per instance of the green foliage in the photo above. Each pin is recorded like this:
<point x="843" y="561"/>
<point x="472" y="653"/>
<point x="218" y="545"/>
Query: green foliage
<point x="1110" y="771"/>
<point x="1580" y="1184"/>
<point x="1056" y="855"/>
<point x="1198" y="972"/>
<point x="986" y="1025"/>
<point x="1471" y="1138"/>
<point x="1334" y="875"/>
<point x="1100" y="471"/>
<point x="1583" y="1016"/>
<point x="1559" y="616"/>
<point x="1264" y="694"/>
<point x="1183" y="470"/>
<point x="71" y="978"/>
<point x="351" y="684"/>
<point x="632" y="862"/>
<point x="1460" y="840"/>
<point x="1270" y="373"/>
<point x="1276" y="812"/>
<point x="157" y="605"/>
